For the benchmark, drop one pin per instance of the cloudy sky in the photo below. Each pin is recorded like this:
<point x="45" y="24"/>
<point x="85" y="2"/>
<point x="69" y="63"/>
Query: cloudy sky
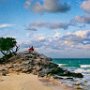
<point x="57" y="28"/>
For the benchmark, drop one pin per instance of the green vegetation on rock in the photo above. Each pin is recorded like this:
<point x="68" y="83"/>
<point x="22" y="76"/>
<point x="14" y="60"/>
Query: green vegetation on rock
<point x="8" y="47"/>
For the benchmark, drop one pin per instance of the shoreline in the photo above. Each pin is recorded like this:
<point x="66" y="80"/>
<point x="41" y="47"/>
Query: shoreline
<point x="30" y="82"/>
<point x="35" y="70"/>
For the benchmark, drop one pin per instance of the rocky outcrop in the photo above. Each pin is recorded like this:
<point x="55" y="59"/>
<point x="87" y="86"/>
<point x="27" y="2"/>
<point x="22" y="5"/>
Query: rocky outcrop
<point x="35" y="63"/>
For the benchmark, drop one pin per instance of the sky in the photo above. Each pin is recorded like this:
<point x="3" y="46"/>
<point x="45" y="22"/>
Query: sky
<point x="56" y="28"/>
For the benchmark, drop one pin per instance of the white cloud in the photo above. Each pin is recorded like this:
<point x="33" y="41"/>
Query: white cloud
<point x="57" y="34"/>
<point x="56" y="41"/>
<point x="27" y="3"/>
<point x="82" y="34"/>
<point x="81" y="37"/>
<point x="82" y="19"/>
<point x="39" y="38"/>
<point x="5" y="25"/>
<point x="86" y="6"/>
<point x="50" y="25"/>
<point x="52" y="6"/>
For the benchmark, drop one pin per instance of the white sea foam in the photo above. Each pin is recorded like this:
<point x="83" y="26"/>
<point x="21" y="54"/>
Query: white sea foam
<point x="84" y="71"/>
<point x="61" y="65"/>
<point x="85" y="66"/>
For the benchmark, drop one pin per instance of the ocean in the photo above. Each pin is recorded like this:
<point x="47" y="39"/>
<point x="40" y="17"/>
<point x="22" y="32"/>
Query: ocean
<point x="78" y="65"/>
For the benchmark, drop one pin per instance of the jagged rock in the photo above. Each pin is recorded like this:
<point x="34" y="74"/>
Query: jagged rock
<point x="37" y="64"/>
<point x="61" y="77"/>
<point x="16" y="67"/>
<point x="3" y="71"/>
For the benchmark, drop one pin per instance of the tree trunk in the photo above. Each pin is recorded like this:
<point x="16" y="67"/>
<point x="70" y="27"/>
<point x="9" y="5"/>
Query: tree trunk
<point x="15" y="52"/>
<point x="17" y="48"/>
<point x="3" y="53"/>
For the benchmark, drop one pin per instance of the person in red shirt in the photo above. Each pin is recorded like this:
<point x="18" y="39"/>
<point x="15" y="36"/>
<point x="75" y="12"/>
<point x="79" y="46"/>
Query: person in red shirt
<point x="31" y="49"/>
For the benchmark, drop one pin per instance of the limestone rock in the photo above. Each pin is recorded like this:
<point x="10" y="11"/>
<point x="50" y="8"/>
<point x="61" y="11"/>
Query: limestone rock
<point x="35" y="63"/>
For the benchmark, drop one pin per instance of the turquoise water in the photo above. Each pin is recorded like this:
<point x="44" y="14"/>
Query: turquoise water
<point x="76" y="65"/>
<point x="72" y="62"/>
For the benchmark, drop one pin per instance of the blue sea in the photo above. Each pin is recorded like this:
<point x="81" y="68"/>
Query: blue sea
<point x="74" y="64"/>
<point x="78" y="65"/>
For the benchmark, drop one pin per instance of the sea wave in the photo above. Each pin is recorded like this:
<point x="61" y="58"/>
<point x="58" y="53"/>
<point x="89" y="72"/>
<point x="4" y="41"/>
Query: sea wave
<point x="85" y="66"/>
<point x="83" y="71"/>
<point x="61" y="65"/>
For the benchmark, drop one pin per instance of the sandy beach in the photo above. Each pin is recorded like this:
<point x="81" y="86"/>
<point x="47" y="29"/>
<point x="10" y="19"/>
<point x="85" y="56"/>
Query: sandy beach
<point x="28" y="82"/>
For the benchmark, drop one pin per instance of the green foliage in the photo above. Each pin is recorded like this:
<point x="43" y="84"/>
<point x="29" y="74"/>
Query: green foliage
<point x="7" y="43"/>
<point x="8" y="46"/>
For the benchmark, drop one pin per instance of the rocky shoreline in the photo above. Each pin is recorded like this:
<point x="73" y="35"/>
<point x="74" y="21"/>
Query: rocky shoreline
<point x="35" y="63"/>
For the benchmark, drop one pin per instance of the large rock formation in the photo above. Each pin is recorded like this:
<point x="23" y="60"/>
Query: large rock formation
<point x="35" y="63"/>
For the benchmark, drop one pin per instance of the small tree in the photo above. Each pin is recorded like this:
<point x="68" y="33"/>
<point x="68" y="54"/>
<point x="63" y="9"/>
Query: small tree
<point x="8" y="46"/>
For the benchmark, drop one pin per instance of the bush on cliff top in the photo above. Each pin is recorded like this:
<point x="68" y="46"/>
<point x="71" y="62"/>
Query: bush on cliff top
<point x="8" y="47"/>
